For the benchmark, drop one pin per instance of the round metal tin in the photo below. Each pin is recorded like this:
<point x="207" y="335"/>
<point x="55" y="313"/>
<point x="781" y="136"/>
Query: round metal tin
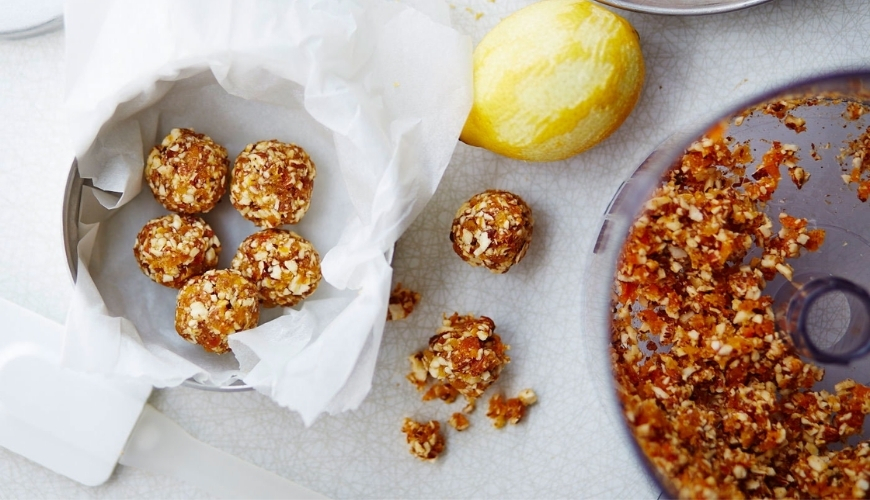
<point x="71" y="205"/>
<point x="682" y="7"/>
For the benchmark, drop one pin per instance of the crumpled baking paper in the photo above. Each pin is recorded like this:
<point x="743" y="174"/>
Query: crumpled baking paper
<point x="376" y="91"/>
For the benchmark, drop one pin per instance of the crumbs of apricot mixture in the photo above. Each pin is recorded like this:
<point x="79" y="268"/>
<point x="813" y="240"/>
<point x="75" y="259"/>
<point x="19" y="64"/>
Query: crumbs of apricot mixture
<point x="510" y="411"/>
<point x="402" y="303"/>
<point x="425" y="438"/>
<point x="465" y="354"/>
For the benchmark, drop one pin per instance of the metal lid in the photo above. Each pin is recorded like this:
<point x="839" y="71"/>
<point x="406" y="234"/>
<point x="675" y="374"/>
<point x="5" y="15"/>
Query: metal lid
<point x="25" y="18"/>
<point x="682" y="7"/>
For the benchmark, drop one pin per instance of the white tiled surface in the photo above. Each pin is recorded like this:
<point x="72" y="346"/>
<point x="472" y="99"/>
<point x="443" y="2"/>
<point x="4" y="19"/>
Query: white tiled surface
<point x="566" y="448"/>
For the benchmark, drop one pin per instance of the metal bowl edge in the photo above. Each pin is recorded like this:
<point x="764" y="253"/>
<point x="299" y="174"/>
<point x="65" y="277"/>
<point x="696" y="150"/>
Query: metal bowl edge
<point x="72" y="198"/>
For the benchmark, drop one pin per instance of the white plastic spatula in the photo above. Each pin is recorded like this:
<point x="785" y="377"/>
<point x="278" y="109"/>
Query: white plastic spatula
<point x="159" y="445"/>
<point x="81" y="425"/>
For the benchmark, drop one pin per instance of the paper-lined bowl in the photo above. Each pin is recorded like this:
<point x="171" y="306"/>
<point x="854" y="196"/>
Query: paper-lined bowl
<point x="378" y="119"/>
<point x="197" y="102"/>
<point x="71" y="210"/>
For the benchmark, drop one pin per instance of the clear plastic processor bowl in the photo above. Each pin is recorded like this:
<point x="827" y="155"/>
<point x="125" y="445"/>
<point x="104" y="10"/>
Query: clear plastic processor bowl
<point x="834" y="318"/>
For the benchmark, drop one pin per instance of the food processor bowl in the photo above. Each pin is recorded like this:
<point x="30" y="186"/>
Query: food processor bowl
<point x="821" y="301"/>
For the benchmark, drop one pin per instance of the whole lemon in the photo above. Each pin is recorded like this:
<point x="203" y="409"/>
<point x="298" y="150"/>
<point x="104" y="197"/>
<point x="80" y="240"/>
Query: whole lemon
<point x="553" y="79"/>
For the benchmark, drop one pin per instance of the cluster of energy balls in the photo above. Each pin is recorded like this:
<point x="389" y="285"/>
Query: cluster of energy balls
<point x="271" y="186"/>
<point x="465" y="357"/>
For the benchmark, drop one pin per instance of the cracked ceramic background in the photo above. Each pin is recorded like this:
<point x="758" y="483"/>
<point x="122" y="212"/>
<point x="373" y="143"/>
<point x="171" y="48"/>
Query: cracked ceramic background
<point x="566" y="447"/>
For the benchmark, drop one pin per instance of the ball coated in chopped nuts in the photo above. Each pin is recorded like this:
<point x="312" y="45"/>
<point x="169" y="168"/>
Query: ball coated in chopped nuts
<point x="173" y="248"/>
<point x="187" y="172"/>
<point x="284" y="266"/>
<point x="466" y="354"/>
<point x="272" y="182"/>
<point x="214" y="305"/>
<point x="493" y="229"/>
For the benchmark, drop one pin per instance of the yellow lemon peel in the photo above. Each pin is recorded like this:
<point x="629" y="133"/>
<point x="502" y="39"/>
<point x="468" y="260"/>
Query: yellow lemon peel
<point x="552" y="80"/>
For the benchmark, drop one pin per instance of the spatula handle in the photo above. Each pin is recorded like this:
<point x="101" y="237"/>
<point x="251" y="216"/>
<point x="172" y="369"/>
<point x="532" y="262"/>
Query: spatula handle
<point x="159" y="445"/>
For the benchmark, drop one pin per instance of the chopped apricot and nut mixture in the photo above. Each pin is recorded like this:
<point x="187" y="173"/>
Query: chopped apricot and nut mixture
<point x="512" y="410"/>
<point x="465" y="356"/>
<point x="272" y="182"/>
<point x="402" y="303"/>
<point x="711" y="388"/>
<point x="459" y="421"/>
<point x="187" y="172"/>
<point x="859" y="150"/>
<point x="493" y="229"/>
<point x="173" y="248"/>
<point x="212" y="306"/>
<point x="425" y="438"/>
<point x="284" y="266"/>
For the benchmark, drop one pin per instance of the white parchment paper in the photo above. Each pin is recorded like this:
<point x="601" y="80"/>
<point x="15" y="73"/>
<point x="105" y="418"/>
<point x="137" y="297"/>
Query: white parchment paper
<point x="376" y="91"/>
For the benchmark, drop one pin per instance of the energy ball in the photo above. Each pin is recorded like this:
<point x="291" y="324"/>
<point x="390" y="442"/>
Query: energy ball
<point x="188" y="172"/>
<point x="214" y="305"/>
<point x="493" y="229"/>
<point x="466" y="354"/>
<point x="175" y="247"/>
<point x="284" y="266"/>
<point x="272" y="182"/>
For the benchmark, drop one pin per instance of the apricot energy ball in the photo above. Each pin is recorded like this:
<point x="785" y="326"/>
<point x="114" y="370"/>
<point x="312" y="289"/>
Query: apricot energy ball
<point x="175" y="247"/>
<point x="493" y="229"/>
<point x="187" y="172"/>
<point x="214" y="305"/>
<point x="284" y="266"/>
<point x="465" y="354"/>
<point x="272" y="182"/>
